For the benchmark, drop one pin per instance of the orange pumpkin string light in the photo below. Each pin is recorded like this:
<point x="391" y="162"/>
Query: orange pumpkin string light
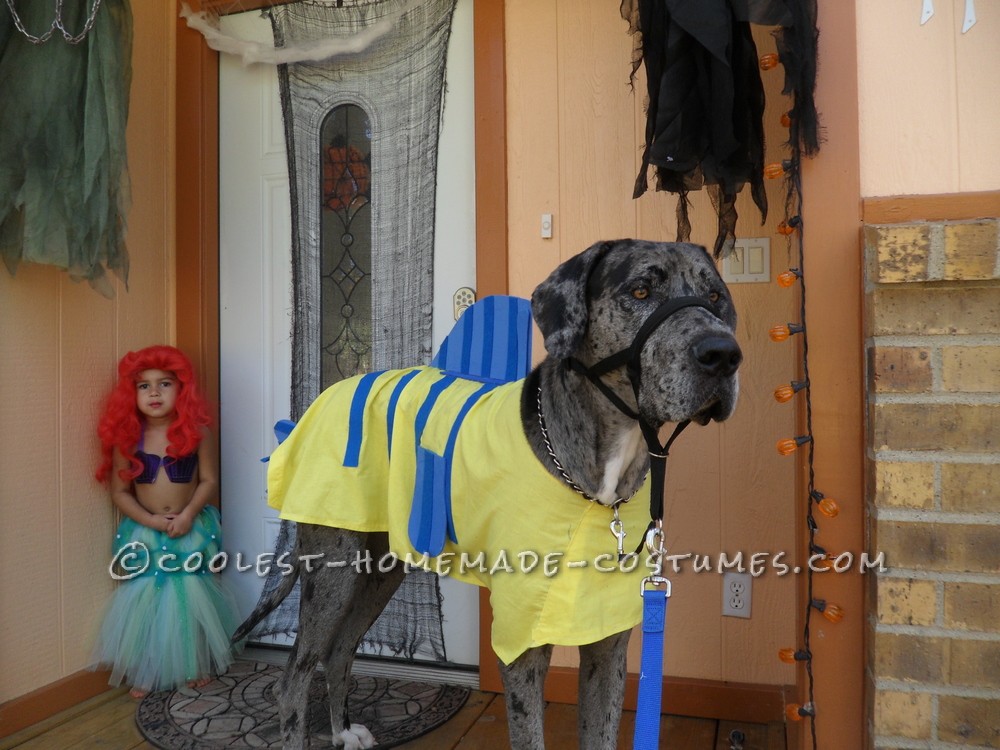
<point x="788" y="227"/>
<point x="790" y="445"/>
<point x="785" y="393"/>
<point x="786" y="120"/>
<point x="795" y="712"/>
<point x="791" y="655"/>
<point x="769" y="61"/>
<point x="789" y="277"/>
<point x="776" y="169"/>
<point x="781" y="332"/>
<point x="832" y="612"/>
<point x="827" y="505"/>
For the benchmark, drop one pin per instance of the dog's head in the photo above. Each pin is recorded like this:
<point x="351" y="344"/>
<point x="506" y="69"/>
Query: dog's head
<point x="594" y="304"/>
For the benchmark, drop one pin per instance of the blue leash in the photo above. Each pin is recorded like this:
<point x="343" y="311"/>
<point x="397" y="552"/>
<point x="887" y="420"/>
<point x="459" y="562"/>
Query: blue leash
<point x="655" y="592"/>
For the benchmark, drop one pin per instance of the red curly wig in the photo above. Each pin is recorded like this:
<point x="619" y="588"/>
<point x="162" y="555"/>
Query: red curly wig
<point x="121" y="424"/>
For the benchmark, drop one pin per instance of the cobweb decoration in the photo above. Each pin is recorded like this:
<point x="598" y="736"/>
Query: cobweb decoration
<point x="388" y="58"/>
<point x="251" y="51"/>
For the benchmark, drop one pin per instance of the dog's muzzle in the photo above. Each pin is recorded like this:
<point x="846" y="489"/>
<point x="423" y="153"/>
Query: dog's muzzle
<point x="716" y="355"/>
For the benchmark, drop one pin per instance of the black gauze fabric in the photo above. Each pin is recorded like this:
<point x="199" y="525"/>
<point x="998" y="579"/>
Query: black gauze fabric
<point x="704" y="115"/>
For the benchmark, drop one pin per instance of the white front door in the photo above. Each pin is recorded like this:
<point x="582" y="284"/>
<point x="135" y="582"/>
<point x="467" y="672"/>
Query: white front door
<point x="255" y="295"/>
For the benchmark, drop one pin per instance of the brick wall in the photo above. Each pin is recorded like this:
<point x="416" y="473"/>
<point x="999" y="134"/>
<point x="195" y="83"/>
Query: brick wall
<point x="933" y="345"/>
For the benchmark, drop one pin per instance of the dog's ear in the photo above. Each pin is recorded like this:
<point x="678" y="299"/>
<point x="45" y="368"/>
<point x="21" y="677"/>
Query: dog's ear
<point x="559" y="304"/>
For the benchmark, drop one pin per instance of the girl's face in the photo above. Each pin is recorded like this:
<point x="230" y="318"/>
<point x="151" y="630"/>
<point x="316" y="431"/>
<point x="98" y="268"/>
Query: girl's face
<point x="156" y="393"/>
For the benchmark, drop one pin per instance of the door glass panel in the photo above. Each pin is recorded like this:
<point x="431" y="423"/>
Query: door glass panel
<point x="346" y="247"/>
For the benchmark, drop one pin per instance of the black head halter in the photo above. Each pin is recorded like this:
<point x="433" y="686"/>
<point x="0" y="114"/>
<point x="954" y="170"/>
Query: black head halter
<point x="631" y="358"/>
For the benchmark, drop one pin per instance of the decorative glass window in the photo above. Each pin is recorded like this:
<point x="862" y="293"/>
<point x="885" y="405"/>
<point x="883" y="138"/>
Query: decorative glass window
<point x="345" y="244"/>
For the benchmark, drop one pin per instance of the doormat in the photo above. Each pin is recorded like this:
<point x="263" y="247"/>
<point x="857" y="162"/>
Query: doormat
<point x="239" y="710"/>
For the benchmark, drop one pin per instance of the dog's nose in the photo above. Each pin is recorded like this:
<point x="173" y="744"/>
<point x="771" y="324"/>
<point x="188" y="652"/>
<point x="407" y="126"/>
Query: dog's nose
<point x="717" y="355"/>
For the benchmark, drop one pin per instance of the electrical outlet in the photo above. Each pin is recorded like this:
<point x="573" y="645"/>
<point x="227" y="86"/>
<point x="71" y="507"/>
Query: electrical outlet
<point x="736" y="594"/>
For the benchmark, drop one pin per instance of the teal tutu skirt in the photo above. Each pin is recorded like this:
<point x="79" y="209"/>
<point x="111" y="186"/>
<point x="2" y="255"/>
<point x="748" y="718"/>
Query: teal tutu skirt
<point x="170" y="620"/>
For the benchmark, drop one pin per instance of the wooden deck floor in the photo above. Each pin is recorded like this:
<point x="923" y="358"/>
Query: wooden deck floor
<point x="108" y="722"/>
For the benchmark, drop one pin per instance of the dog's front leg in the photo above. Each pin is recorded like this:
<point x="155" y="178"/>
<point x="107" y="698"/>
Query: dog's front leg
<point x="524" y="683"/>
<point x="602" y="691"/>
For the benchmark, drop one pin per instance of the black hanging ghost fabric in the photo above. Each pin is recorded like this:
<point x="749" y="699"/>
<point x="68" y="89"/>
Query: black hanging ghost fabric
<point x="704" y="117"/>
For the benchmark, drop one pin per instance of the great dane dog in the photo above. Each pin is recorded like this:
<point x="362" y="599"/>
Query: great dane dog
<point x="592" y="306"/>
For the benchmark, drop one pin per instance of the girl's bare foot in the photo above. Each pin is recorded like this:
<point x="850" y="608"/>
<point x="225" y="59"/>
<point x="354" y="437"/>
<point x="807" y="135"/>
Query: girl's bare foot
<point x="138" y="693"/>
<point x="200" y="682"/>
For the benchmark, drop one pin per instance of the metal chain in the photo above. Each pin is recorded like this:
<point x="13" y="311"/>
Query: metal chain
<point x="57" y="23"/>
<point x="559" y="467"/>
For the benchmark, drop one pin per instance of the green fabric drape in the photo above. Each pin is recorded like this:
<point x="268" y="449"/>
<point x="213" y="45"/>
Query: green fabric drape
<point x="64" y="188"/>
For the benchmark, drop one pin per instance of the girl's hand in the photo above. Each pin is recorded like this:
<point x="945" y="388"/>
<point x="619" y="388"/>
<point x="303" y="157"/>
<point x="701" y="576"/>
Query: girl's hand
<point x="161" y="523"/>
<point x="179" y="525"/>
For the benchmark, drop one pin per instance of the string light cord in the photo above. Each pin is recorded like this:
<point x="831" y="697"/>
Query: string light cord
<point x="795" y="193"/>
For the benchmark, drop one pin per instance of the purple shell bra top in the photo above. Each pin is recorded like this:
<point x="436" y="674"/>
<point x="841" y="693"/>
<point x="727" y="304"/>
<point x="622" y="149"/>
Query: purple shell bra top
<point x="179" y="470"/>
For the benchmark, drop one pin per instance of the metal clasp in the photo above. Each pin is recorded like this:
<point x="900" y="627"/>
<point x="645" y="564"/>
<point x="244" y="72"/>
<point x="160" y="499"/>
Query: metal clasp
<point x="657" y="550"/>
<point x="655" y="581"/>
<point x="655" y="539"/>
<point x="618" y="529"/>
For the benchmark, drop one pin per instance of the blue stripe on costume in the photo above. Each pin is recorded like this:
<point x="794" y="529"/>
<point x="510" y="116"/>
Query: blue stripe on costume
<point x="449" y="456"/>
<point x="426" y="521"/>
<point x="356" y="427"/>
<point x="390" y="416"/>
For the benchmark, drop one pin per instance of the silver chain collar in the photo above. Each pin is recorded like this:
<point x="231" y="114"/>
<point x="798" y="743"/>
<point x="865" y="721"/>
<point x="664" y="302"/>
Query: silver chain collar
<point x="617" y="526"/>
<point x="559" y="467"/>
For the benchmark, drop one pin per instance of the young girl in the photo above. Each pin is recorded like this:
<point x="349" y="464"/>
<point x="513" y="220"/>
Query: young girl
<point x="170" y="619"/>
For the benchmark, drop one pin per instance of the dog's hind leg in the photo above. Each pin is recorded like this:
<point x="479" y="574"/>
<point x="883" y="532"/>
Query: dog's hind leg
<point x="602" y="691"/>
<point x="331" y="590"/>
<point x="524" y="683"/>
<point x="368" y="599"/>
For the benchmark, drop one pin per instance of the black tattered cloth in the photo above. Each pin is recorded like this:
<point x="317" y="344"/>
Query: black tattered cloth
<point x="704" y="118"/>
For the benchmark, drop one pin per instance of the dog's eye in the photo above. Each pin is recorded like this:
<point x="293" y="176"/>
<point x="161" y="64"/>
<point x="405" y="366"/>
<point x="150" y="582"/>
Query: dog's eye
<point x="640" y="292"/>
<point x="714" y="297"/>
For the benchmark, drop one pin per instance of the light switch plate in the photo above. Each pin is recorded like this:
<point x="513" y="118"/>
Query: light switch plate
<point x="750" y="262"/>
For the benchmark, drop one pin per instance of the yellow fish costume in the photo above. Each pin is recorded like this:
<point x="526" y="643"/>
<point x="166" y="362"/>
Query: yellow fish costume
<point x="442" y="464"/>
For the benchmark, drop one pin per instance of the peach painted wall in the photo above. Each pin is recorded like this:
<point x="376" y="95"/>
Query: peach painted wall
<point x="574" y="133"/>
<point x="59" y="346"/>
<point x="929" y="103"/>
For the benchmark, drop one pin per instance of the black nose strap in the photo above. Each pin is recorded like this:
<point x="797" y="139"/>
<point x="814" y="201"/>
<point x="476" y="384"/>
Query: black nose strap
<point x="631" y="357"/>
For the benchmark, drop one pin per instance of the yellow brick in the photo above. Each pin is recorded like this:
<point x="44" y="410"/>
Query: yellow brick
<point x="971" y="369"/>
<point x="900" y="369"/>
<point x="903" y="715"/>
<point x="898" y="253"/>
<point x="936" y="427"/>
<point x="970" y="488"/>
<point x="909" y="658"/>
<point x="904" y="485"/>
<point x="974" y="664"/>
<point x="965" y="548"/>
<point x="970" y="250"/>
<point x="972" y="606"/>
<point x="906" y="602"/>
<point x="969" y="721"/>
<point x="929" y="310"/>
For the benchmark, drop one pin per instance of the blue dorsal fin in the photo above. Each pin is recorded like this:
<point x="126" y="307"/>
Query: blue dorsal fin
<point x="491" y="342"/>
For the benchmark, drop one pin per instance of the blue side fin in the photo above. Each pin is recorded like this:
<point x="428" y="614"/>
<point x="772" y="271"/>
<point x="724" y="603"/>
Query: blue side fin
<point x="490" y="343"/>
<point x="282" y="429"/>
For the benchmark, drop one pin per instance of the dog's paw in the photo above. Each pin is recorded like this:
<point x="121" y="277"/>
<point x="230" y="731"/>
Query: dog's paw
<point x="356" y="738"/>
